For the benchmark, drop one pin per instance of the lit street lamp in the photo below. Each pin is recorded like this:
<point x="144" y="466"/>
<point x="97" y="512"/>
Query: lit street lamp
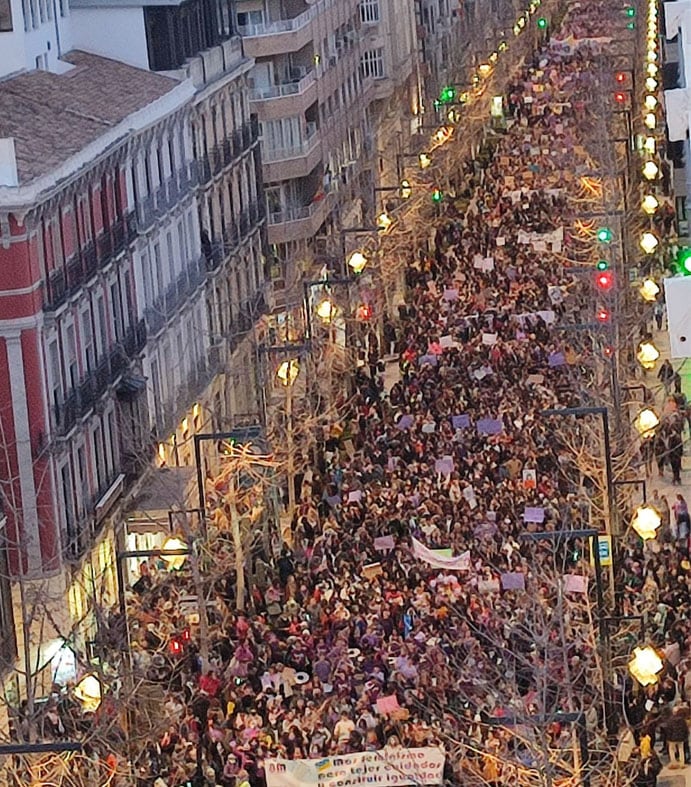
<point x="288" y="373"/>
<point x="649" y="290"/>
<point x="646" y="521"/>
<point x="646" y="423"/>
<point x="647" y="354"/>
<point x="88" y="692"/>
<point x="174" y="562"/>
<point x="357" y="262"/>
<point x="645" y="665"/>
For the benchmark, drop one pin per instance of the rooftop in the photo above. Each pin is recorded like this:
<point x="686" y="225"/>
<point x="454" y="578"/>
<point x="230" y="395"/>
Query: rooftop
<point x="55" y="116"/>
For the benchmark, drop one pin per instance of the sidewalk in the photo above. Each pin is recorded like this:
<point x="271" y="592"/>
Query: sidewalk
<point x="683" y="366"/>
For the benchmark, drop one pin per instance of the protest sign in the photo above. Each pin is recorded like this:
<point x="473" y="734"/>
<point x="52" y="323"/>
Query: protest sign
<point x="513" y="580"/>
<point x="384" y="543"/>
<point x="372" y="570"/>
<point x="444" y="466"/>
<point x="490" y="426"/>
<point x="575" y="583"/>
<point x="432" y="558"/>
<point x="534" y="514"/>
<point x="461" y="421"/>
<point x="529" y="478"/>
<point x="388" y="767"/>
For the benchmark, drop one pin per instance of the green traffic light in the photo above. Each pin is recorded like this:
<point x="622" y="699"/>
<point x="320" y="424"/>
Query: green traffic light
<point x="684" y="261"/>
<point x="630" y="11"/>
<point x="542" y="23"/>
<point x="604" y="235"/>
<point x="631" y="26"/>
<point x="437" y="195"/>
<point x="602" y="265"/>
<point x="447" y="95"/>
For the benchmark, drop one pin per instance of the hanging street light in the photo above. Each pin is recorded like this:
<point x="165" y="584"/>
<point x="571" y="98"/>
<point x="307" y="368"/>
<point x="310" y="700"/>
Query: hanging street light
<point x="174" y="562"/>
<point x="88" y="692"/>
<point x="646" y="521"/>
<point x="384" y="221"/>
<point x="357" y="262"/>
<point x="649" y="290"/>
<point x="647" y="354"/>
<point x="650" y="120"/>
<point x="646" y="422"/>
<point x="649" y="242"/>
<point x="650" y="102"/>
<point x="424" y="160"/>
<point x="326" y="310"/>
<point x="645" y="665"/>
<point x="288" y="371"/>
<point x="649" y="204"/>
<point x="650" y="170"/>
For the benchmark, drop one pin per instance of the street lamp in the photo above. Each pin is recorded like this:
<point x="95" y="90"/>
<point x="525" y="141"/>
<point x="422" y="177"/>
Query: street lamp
<point x="384" y="221"/>
<point x="357" y="262"/>
<point x="650" y="102"/>
<point x="326" y="310"/>
<point x="173" y="562"/>
<point x="647" y="354"/>
<point x="649" y="204"/>
<point x="650" y="120"/>
<point x="649" y="242"/>
<point x="645" y="665"/>
<point x="424" y="160"/>
<point x="288" y="373"/>
<point x="88" y="692"/>
<point x="646" y="423"/>
<point x="646" y="521"/>
<point x="650" y="170"/>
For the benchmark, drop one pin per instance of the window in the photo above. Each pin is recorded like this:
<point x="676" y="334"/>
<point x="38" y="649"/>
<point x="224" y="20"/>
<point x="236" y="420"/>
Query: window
<point x="372" y="63"/>
<point x="5" y="16"/>
<point x="116" y="307"/>
<point x="55" y="373"/>
<point x="102" y="332"/>
<point x="71" y="347"/>
<point x="88" y="341"/>
<point x="99" y="457"/>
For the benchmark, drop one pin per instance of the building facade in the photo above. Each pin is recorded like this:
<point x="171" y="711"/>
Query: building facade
<point x="311" y="98"/>
<point x="132" y="256"/>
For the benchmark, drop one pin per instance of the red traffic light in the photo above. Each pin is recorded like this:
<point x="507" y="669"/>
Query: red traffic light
<point x="602" y="315"/>
<point x="608" y="351"/>
<point x="604" y="280"/>
<point x="175" y="646"/>
<point x="364" y="312"/>
<point x="620" y="77"/>
<point x="620" y="97"/>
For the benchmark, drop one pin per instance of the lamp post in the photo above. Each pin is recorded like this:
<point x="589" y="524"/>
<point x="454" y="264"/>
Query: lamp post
<point x="602" y="412"/>
<point x="288" y="373"/>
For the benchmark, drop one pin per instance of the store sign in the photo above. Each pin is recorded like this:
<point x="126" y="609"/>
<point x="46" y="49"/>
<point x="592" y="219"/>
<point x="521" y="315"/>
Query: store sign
<point x="386" y="768"/>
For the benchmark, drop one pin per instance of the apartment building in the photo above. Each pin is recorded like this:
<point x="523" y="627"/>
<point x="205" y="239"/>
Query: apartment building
<point x="132" y="240"/>
<point x="311" y="98"/>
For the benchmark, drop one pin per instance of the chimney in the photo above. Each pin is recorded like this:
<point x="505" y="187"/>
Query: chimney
<point x="8" y="163"/>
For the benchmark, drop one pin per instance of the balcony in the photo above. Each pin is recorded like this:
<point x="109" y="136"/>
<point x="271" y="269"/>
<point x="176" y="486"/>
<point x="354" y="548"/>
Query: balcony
<point x="90" y="259"/>
<point x="243" y="226"/>
<point x="167" y="305"/>
<point x="94" y="384"/>
<point x="298" y="223"/>
<point x="294" y="162"/>
<point x="273" y="102"/>
<point x="227" y="152"/>
<point x="280" y="36"/>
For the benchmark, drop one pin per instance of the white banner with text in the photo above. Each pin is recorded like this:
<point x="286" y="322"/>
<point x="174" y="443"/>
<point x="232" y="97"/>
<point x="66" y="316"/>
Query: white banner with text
<point x="386" y="768"/>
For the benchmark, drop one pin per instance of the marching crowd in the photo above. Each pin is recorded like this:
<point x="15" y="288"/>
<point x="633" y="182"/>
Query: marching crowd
<point x="408" y="608"/>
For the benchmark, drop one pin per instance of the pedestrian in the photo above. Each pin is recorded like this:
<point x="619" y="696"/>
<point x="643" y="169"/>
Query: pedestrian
<point x="648" y="771"/>
<point x="681" y="518"/>
<point x="676" y="452"/>
<point x="665" y="375"/>
<point x="659" y="313"/>
<point x="677" y="734"/>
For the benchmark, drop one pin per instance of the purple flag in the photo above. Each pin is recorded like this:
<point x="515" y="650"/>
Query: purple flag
<point x="490" y="426"/>
<point x="556" y="359"/>
<point x="535" y="514"/>
<point x="461" y="421"/>
<point x="513" y="580"/>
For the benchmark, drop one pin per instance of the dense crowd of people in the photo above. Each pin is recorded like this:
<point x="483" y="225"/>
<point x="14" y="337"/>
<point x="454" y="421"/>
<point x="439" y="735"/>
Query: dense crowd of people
<point x="359" y="637"/>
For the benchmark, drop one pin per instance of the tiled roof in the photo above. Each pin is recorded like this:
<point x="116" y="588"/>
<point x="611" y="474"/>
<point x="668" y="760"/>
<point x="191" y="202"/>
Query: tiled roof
<point x="54" y="116"/>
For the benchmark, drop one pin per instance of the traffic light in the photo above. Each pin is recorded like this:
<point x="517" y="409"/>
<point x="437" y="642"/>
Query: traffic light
<point x="602" y="265"/>
<point x="542" y="23"/>
<point x="602" y="315"/>
<point x="630" y="11"/>
<point x="683" y="261"/>
<point x="620" y="77"/>
<point x="604" y="280"/>
<point x="175" y="646"/>
<point x="364" y="312"/>
<point x="605" y="235"/>
<point x="447" y="95"/>
<point x="620" y="97"/>
<point x="437" y="196"/>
